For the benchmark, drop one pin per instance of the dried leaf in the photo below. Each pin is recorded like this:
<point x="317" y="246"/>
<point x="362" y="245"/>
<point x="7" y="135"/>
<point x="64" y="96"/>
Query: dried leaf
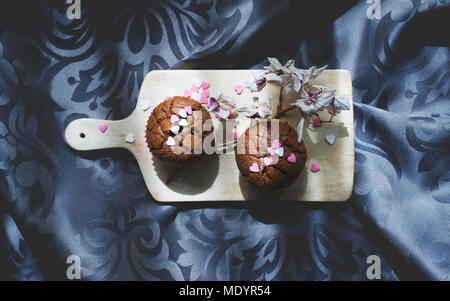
<point x="247" y="111"/>
<point x="307" y="109"/>
<point x="342" y="102"/>
<point x="326" y="97"/>
<point x="312" y="73"/>
<point x="274" y="65"/>
<point x="259" y="108"/>
<point x="272" y="77"/>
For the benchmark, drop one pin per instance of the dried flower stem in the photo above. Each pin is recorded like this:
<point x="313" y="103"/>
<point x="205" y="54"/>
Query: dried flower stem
<point x="285" y="110"/>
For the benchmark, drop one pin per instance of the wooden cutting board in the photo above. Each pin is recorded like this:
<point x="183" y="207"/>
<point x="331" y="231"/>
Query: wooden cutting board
<point x="217" y="177"/>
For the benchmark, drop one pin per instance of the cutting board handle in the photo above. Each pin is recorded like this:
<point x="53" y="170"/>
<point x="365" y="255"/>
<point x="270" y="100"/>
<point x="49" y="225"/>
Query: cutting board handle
<point x="85" y="134"/>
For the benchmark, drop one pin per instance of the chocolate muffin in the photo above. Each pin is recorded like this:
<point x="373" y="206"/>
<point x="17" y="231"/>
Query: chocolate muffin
<point x="171" y="134"/>
<point x="268" y="160"/>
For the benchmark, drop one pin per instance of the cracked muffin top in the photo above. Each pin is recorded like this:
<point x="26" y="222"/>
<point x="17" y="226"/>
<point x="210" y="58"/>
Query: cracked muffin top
<point x="175" y="130"/>
<point x="267" y="159"/>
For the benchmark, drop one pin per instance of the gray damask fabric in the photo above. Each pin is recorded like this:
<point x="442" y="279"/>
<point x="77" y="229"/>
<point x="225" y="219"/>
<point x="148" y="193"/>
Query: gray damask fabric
<point x="55" y="202"/>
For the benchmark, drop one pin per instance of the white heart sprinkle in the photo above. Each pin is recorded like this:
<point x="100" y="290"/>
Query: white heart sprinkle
<point x="175" y="129"/>
<point x="183" y="122"/>
<point x="330" y="139"/>
<point x="145" y="105"/>
<point x="198" y="83"/>
<point x="195" y="96"/>
<point x="129" y="138"/>
<point x="280" y="151"/>
<point x="182" y="113"/>
<point x="170" y="141"/>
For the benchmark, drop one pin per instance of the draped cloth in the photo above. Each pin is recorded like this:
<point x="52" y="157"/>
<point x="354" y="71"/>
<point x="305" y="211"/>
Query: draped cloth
<point x="56" y="202"/>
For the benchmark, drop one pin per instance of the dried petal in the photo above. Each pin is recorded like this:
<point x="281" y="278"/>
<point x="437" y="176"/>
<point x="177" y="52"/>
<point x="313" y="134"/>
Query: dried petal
<point x="300" y="127"/>
<point x="325" y="98"/>
<point x="342" y="102"/>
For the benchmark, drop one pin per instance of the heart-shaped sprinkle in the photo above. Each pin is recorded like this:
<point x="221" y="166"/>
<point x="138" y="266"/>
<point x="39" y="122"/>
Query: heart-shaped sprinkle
<point x="175" y="129"/>
<point x="203" y="99"/>
<point x="174" y="118"/>
<point x="129" y="138"/>
<point x="198" y="83"/>
<point x="205" y="85"/>
<point x="194" y="88"/>
<point x="267" y="161"/>
<point x="330" y="139"/>
<point x="317" y="122"/>
<point x="315" y="167"/>
<point x="271" y="151"/>
<point x="292" y="158"/>
<point x="332" y="112"/>
<point x="231" y="116"/>
<point x="205" y="93"/>
<point x="195" y="96"/>
<point x="254" y="168"/>
<point x="182" y="113"/>
<point x="276" y="144"/>
<point x="234" y="135"/>
<point x="145" y="105"/>
<point x="187" y="93"/>
<point x="102" y="127"/>
<point x="183" y="122"/>
<point x="212" y="102"/>
<point x="188" y="110"/>
<point x="280" y="151"/>
<point x="170" y="141"/>
<point x="238" y="89"/>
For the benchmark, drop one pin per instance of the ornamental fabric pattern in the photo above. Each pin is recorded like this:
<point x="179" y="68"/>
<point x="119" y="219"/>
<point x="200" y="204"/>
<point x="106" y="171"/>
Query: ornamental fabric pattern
<point x="55" y="202"/>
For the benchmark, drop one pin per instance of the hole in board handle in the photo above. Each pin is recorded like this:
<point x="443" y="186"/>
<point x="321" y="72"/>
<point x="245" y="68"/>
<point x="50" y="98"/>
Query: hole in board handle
<point x="82" y="135"/>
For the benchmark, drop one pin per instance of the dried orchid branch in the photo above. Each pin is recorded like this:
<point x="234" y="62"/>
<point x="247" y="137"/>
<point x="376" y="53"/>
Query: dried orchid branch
<point x="285" y="110"/>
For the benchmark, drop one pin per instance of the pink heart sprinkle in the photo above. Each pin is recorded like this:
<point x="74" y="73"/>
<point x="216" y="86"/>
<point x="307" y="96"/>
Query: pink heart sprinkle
<point x="271" y="151"/>
<point x="315" y="167"/>
<point x="267" y="161"/>
<point x="276" y="144"/>
<point x="188" y="110"/>
<point x="317" y="122"/>
<point x="203" y="99"/>
<point x="194" y="88"/>
<point x="231" y="116"/>
<point x="331" y="111"/>
<point x="292" y="158"/>
<point x="235" y="135"/>
<point x="187" y="93"/>
<point x="174" y="119"/>
<point x="254" y="168"/>
<point x="205" y="93"/>
<point x="102" y="127"/>
<point x="238" y="89"/>
<point x="205" y="85"/>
